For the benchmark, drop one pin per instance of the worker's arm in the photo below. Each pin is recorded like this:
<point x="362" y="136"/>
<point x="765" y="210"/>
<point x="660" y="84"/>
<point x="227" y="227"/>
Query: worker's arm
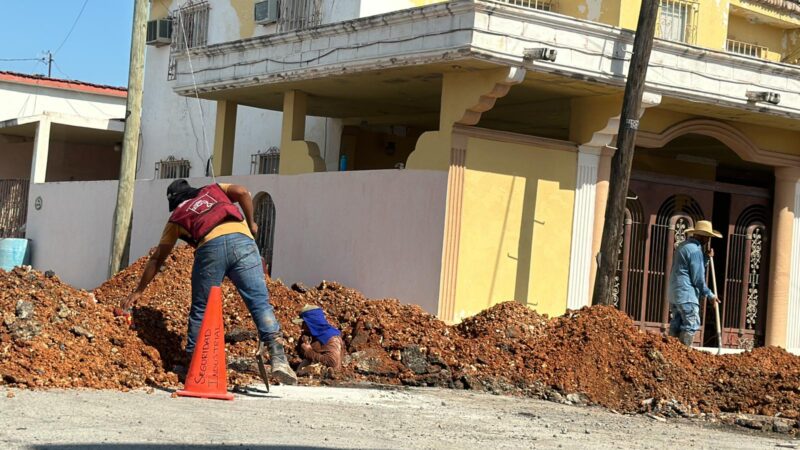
<point x="697" y="269"/>
<point x="329" y="354"/>
<point x="240" y="194"/>
<point x="154" y="263"/>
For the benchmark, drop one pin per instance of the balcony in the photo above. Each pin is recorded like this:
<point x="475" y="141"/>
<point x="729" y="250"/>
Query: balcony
<point x="747" y="49"/>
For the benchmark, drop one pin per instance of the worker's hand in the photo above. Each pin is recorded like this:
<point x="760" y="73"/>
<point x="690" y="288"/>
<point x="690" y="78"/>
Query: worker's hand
<point x="714" y="300"/>
<point x="305" y="347"/>
<point x="710" y="252"/>
<point x="131" y="300"/>
<point x="254" y="229"/>
<point x="305" y="339"/>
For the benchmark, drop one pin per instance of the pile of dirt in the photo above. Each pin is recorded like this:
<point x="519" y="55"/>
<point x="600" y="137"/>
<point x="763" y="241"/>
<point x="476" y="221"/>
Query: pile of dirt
<point x="53" y="335"/>
<point x="591" y="356"/>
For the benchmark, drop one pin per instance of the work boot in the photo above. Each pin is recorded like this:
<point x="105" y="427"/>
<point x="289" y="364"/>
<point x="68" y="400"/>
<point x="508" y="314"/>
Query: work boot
<point x="277" y="359"/>
<point x="686" y="338"/>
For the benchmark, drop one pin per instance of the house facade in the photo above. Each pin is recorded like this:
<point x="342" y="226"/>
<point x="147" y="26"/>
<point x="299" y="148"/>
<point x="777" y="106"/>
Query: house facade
<point x="456" y="154"/>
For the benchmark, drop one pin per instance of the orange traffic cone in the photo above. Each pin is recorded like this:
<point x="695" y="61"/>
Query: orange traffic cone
<point x="208" y="376"/>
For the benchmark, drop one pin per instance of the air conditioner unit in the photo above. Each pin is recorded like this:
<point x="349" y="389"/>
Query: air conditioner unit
<point x="159" y="32"/>
<point x="266" y="12"/>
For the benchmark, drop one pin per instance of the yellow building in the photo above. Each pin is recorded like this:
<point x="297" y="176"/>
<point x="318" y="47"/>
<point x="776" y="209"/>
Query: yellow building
<point x="518" y="101"/>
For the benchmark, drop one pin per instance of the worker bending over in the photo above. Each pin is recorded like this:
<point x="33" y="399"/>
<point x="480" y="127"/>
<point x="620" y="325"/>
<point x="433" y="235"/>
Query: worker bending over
<point x="320" y="341"/>
<point x="208" y="219"/>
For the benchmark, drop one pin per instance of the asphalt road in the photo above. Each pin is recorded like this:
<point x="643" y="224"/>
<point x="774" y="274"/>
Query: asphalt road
<point x="326" y="418"/>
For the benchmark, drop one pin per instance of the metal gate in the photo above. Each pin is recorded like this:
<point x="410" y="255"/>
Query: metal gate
<point x="13" y="208"/>
<point x="264" y="216"/>
<point x="659" y="210"/>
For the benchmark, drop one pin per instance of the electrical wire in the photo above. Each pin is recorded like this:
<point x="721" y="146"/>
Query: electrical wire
<point x="19" y="59"/>
<point x="72" y="28"/>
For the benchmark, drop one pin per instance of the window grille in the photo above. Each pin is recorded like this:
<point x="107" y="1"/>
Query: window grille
<point x="677" y="20"/>
<point x="264" y="216"/>
<point x="172" y="168"/>
<point x="189" y="30"/>
<point x="542" y="5"/>
<point x="267" y="162"/>
<point x="744" y="48"/>
<point x="299" y="14"/>
<point x="13" y="208"/>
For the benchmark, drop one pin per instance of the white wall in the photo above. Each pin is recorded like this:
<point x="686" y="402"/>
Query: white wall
<point x="21" y="100"/>
<point x="377" y="231"/>
<point x="71" y="233"/>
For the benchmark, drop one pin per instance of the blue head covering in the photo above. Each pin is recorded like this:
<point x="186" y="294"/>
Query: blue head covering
<point x="320" y="329"/>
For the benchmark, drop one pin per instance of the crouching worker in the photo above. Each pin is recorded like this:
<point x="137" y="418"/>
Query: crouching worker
<point x="320" y="342"/>
<point x="208" y="220"/>
<point x="687" y="281"/>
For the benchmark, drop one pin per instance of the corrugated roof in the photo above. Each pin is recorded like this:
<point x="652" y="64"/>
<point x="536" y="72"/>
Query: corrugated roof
<point x="58" y="83"/>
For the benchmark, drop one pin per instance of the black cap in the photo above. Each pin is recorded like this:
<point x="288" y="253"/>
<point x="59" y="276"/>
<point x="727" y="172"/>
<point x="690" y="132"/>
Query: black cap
<point x="177" y="192"/>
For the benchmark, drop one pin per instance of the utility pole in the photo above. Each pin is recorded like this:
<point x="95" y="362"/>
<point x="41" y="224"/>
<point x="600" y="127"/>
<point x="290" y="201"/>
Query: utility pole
<point x="623" y="158"/>
<point x="130" y="141"/>
<point x="49" y="64"/>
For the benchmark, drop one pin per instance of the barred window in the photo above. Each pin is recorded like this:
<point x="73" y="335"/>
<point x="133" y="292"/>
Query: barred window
<point x="543" y="5"/>
<point x="677" y="20"/>
<point x="266" y="162"/>
<point x="172" y="168"/>
<point x="299" y="14"/>
<point x="190" y="26"/>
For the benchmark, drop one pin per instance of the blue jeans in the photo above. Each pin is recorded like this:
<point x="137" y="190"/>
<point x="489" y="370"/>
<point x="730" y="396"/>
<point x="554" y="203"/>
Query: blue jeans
<point x="236" y="256"/>
<point x="685" y="318"/>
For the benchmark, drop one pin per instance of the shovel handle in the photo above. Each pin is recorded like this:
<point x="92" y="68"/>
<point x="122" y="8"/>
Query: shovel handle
<point x="716" y="305"/>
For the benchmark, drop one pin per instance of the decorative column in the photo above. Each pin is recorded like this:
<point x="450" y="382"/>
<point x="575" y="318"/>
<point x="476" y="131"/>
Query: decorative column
<point x="781" y="314"/>
<point x="41" y="148"/>
<point x="583" y="227"/>
<point x="452" y="229"/>
<point x="793" y="317"/>
<point x="601" y="198"/>
<point x="298" y="156"/>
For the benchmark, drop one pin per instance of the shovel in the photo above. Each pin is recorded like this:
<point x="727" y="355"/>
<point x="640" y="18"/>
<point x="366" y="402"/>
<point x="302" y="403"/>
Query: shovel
<point x="716" y="306"/>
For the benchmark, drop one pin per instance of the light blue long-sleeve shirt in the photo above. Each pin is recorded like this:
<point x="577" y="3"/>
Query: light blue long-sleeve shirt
<point x="687" y="281"/>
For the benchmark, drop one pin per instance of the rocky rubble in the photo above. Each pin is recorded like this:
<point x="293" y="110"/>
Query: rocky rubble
<point x="591" y="356"/>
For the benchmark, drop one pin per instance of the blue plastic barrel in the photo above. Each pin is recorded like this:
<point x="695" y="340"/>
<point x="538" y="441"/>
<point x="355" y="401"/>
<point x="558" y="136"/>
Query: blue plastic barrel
<point x="13" y="252"/>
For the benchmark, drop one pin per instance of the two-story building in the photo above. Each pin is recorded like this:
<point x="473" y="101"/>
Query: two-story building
<point x="502" y="116"/>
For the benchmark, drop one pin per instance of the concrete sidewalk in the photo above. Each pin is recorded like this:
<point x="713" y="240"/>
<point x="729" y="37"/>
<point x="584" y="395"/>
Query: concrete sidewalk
<point x="326" y="418"/>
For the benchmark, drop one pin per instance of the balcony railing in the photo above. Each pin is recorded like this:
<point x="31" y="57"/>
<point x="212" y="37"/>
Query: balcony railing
<point x="542" y="5"/>
<point x="677" y="20"/>
<point x="745" y="48"/>
<point x="299" y="14"/>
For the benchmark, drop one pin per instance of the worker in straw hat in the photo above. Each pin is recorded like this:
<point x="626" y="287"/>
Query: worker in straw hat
<point x="687" y="281"/>
<point x="321" y="342"/>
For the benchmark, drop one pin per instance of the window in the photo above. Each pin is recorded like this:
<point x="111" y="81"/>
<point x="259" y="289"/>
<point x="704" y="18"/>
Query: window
<point x="189" y="30"/>
<point x="266" y="162"/>
<point x="744" y="48"/>
<point x="677" y="20"/>
<point x="543" y="5"/>
<point x="172" y="168"/>
<point x="264" y="216"/>
<point x="299" y="14"/>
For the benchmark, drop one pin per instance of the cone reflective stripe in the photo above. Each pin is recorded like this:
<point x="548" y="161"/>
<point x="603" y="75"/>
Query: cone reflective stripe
<point x="208" y="376"/>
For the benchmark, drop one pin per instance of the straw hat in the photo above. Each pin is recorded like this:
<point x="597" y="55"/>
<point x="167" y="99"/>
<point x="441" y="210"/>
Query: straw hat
<point x="703" y="228"/>
<point x="299" y="320"/>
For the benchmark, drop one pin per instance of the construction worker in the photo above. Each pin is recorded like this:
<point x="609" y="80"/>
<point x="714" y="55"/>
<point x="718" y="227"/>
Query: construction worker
<point x="321" y="342"/>
<point x="687" y="281"/>
<point x="208" y="219"/>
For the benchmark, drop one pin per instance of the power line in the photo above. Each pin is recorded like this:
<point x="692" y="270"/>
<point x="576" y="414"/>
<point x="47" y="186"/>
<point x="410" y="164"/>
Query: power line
<point x="73" y="27"/>
<point x="19" y="59"/>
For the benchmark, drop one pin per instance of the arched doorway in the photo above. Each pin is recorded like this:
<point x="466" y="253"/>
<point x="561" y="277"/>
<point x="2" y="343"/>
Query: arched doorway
<point x="690" y="178"/>
<point x="264" y="216"/>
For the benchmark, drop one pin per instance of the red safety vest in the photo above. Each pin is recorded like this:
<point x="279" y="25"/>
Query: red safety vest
<point x="201" y="214"/>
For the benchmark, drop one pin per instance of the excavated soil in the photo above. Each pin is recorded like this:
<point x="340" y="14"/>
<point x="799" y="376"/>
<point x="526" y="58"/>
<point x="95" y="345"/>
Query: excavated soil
<point x="591" y="356"/>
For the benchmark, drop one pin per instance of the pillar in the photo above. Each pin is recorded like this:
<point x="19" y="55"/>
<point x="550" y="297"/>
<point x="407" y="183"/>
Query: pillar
<point x="41" y="148"/>
<point x="601" y="199"/>
<point x="224" y="138"/>
<point x="793" y="326"/>
<point x="297" y="155"/>
<point x="778" y="307"/>
<point x="582" y="226"/>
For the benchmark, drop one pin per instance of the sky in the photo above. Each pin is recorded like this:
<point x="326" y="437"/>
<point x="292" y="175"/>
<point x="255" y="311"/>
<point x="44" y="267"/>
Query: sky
<point x="97" y="50"/>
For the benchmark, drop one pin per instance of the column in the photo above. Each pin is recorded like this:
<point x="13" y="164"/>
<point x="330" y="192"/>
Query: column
<point x="297" y="155"/>
<point x="224" y="138"/>
<point x="41" y="148"/>
<point x="601" y="199"/>
<point x="781" y="314"/>
<point x="582" y="227"/>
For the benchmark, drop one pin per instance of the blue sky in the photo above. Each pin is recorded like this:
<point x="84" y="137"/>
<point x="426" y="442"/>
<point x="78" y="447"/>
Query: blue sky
<point x="96" y="51"/>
